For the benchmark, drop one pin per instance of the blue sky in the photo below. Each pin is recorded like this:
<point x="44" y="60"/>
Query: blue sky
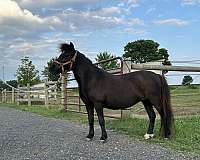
<point x="35" y="28"/>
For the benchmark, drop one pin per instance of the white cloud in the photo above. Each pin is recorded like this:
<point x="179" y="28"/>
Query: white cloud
<point x="135" y="21"/>
<point x="82" y="34"/>
<point x="108" y="10"/>
<point x="16" y="22"/>
<point x="134" y="31"/>
<point x="21" y="47"/>
<point x="10" y="9"/>
<point x="150" y="10"/>
<point x="53" y="2"/>
<point x="190" y="2"/>
<point x="133" y="3"/>
<point x="96" y="19"/>
<point x="26" y="31"/>
<point x="172" y="21"/>
<point x="88" y="20"/>
<point x="128" y="5"/>
<point x="41" y="5"/>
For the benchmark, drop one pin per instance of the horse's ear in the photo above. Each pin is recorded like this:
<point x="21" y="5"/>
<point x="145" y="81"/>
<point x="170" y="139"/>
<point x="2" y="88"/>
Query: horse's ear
<point x="71" y="45"/>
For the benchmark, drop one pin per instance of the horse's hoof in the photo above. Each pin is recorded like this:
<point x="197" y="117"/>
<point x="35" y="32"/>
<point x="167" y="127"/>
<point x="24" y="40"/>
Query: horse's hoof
<point x="148" y="136"/>
<point x="89" y="139"/>
<point x="103" y="140"/>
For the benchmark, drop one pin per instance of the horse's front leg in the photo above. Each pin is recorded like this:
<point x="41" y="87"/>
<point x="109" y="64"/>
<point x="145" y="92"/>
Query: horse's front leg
<point x="99" y="110"/>
<point x="90" y="111"/>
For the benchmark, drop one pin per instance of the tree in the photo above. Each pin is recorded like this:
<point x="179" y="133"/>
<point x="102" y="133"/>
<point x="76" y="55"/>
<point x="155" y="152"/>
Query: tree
<point x="26" y="73"/>
<point x="3" y="86"/>
<point x="142" y="51"/>
<point x="48" y="74"/>
<point x="107" y="65"/>
<point x="187" y="80"/>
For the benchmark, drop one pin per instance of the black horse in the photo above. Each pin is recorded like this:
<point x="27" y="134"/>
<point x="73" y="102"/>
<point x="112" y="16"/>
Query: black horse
<point x="99" y="89"/>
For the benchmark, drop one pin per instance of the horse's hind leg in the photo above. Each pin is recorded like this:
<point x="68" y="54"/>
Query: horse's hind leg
<point x="99" y="110"/>
<point x="152" y="116"/>
<point x="156" y="103"/>
<point x="90" y="111"/>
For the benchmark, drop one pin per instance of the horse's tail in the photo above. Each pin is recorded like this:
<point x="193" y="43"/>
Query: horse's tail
<point x="167" y="118"/>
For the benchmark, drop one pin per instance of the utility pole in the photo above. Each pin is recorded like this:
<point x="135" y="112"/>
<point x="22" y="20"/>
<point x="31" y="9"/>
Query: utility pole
<point x="3" y="73"/>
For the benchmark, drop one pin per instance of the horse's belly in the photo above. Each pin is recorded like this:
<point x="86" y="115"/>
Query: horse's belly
<point x="120" y="102"/>
<point x="116" y="107"/>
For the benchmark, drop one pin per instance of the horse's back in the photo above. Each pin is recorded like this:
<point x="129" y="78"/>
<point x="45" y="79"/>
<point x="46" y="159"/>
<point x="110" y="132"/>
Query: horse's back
<point x="128" y="89"/>
<point x="147" y="81"/>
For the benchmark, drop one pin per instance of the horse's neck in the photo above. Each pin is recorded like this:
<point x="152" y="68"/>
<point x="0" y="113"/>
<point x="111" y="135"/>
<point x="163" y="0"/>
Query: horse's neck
<point x="83" y="70"/>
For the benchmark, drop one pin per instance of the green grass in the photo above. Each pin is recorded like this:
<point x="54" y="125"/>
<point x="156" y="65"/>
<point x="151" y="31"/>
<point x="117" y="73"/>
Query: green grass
<point x="187" y="132"/>
<point x="185" y="97"/>
<point x="187" y="129"/>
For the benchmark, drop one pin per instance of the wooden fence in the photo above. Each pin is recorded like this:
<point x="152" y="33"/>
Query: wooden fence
<point x="46" y="93"/>
<point x="68" y="97"/>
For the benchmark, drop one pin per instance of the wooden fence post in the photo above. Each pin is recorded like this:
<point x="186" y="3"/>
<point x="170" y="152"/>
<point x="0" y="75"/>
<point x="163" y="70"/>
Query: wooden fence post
<point x="126" y="67"/>
<point x="125" y="113"/>
<point x="13" y="95"/>
<point x="56" y="95"/>
<point x="18" y="96"/>
<point x="46" y="95"/>
<point x="2" y="93"/>
<point x="63" y="92"/>
<point x="29" y="94"/>
<point x="79" y="103"/>
<point x="5" y="96"/>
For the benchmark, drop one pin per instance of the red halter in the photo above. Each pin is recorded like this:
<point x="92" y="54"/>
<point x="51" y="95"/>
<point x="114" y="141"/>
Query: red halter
<point x="71" y="61"/>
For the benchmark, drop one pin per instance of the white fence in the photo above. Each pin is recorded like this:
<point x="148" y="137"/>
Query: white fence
<point x="45" y="93"/>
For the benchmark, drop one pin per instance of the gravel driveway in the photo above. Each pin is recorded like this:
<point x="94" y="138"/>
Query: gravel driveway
<point x="25" y="136"/>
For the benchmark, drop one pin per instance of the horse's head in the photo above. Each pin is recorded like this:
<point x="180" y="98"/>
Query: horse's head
<point x="65" y="61"/>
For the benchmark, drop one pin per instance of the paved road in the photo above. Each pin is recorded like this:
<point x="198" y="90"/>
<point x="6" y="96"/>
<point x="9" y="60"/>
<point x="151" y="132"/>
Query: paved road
<point x="25" y="136"/>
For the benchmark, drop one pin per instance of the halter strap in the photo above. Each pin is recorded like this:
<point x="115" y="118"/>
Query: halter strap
<point x="71" y="61"/>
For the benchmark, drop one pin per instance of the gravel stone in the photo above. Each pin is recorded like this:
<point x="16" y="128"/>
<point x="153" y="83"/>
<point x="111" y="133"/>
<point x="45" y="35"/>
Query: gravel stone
<point x="27" y="136"/>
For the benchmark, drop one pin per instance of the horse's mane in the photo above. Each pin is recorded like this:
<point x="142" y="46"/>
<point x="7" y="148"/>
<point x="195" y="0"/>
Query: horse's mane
<point x="87" y="60"/>
<point x="63" y="47"/>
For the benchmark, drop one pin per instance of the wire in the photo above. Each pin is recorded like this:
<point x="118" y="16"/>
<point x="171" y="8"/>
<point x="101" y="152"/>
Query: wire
<point x="191" y="61"/>
<point x="182" y="75"/>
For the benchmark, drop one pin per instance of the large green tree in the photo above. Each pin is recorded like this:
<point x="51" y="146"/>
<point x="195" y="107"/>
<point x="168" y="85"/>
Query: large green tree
<point x="48" y="74"/>
<point x="142" y="51"/>
<point x="107" y="65"/>
<point x="3" y="86"/>
<point x="27" y="73"/>
<point x="187" y="80"/>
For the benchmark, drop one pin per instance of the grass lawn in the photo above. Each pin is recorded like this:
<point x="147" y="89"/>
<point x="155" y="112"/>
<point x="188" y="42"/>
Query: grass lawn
<point x="187" y="129"/>
<point x="187" y="132"/>
<point x="185" y="97"/>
